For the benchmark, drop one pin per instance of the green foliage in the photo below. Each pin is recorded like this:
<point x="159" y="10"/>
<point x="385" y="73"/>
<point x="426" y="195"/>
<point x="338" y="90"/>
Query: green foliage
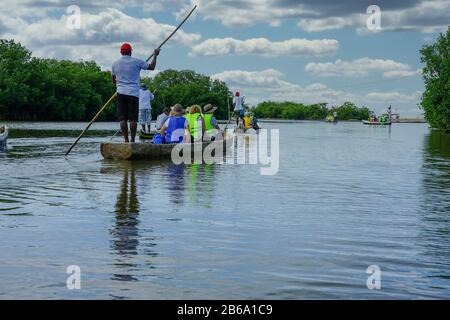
<point x="44" y="89"/>
<point x="51" y="90"/>
<point x="188" y="88"/>
<point x="349" y="111"/>
<point x="298" y="111"/>
<point x="436" y="74"/>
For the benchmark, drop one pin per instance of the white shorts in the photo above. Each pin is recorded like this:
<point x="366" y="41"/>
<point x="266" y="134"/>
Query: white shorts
<point x="145" y="116"/>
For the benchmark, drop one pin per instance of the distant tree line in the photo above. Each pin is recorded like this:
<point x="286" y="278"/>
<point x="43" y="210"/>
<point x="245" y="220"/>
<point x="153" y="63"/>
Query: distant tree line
<point x="188" y="88"/>
<point x="46" y="89"/>
<point x="35" y="89"/>
<point x="299" y="111"/>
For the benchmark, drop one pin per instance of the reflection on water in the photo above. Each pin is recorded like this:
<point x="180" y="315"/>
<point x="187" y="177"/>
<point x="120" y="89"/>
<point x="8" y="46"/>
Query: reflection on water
<point x="437" y="171"/>
<point x="201" y="185"/>
<point x="176" y="183"/>
<point x="195" y="182"/>
<point x="125" y="234"/>
<point x="346" y="197"/>
<point x="435" y="233"/>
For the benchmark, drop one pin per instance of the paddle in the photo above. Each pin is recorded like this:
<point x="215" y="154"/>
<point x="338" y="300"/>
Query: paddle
<point x="115" y="94"/>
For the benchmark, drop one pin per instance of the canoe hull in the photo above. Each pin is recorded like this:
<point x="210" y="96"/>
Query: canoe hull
<point x="149" y="151"/>
<point x="368" y="123"/>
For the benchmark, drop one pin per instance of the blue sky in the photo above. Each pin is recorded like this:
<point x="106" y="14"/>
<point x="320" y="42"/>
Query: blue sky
<point x="304" y="51"/>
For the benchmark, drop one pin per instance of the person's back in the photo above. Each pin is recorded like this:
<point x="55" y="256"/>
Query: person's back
<point x="126" y="77"/>
<point x="247" y="122"/>
<point x="176" y="126"/>
<point x="161" y="119"/>
<point x="145" y="108"/>
<point x="238" y="103"/>
<point x="127" y="71"/>
<point x="210" y="121"/>
<point x="196" y="123"/>
<point x="145" y="99"/>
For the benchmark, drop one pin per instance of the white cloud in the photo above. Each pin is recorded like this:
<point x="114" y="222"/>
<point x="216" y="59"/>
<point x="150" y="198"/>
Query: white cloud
<point x="99" y="37"/>
<point x="264" y="78"/>
<point x="393" y="96"/>
<point x="425" y="16"/>
<point x="269" y="84"/>
<point x="402" y="73"/>
<point x="360" y="68"/>
<point x="108" y="26"/>
<point x="315" y="25"/>
<point x="238" y="13"/>
<point x="265" y="47"/>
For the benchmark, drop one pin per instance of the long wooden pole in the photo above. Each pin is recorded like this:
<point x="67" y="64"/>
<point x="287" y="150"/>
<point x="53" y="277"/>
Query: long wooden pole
<point x="229" y="116"/>
<point x="115" y="94"/>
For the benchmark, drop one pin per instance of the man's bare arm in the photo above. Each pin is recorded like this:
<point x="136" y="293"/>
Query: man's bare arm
<point x="152" y="65"/>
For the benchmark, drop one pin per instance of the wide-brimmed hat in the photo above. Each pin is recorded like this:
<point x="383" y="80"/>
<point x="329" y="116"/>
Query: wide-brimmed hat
<point x="209" y="108"/>
<point x="177" y="109"/>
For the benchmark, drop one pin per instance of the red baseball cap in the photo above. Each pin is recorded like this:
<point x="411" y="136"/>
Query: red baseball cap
<point x="125" y="48"/>
<point x="237" y="94"/>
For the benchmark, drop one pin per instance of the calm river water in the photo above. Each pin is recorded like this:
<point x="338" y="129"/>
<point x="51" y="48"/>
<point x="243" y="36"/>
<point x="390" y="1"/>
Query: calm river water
<point x="346" y="197"/>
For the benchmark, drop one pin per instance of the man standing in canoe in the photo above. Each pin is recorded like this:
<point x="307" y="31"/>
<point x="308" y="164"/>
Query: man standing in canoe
<point x="126" y="75"/>
<point x="238" y="104"/>
<point x="145" y="108"/>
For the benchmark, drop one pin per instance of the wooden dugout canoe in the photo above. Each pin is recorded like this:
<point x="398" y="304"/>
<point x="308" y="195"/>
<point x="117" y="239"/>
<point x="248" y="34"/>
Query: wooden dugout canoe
<point x="369" y="123"/>
<point x="150" y="151"/>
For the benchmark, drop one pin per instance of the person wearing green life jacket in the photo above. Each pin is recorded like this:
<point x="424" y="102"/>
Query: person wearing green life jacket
<point x="211" y="126"/>
<point x="196" y="123"/>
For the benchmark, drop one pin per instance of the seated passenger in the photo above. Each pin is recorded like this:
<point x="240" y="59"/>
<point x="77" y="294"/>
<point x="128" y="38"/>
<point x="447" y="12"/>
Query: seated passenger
<point x="175" y="128"/>
<point x="212" y="128"/>
<point x="196" y="123"/>
<point x="162" y="118"/>
<point x="247" y="121"/>
<point x="254" y="121"/>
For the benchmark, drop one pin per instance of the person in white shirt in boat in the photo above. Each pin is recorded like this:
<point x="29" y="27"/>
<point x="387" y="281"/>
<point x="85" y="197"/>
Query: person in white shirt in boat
<point x="145" y="108"/>
<point x="162" y="118"/>
<point x="238" y="104"/>
<point x="126" y="75"/>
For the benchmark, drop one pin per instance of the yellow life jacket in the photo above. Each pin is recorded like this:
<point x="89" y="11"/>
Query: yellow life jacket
<point x="193" y="125"/>
<point x="208" y="117"/>
<point x="247" y="122"/>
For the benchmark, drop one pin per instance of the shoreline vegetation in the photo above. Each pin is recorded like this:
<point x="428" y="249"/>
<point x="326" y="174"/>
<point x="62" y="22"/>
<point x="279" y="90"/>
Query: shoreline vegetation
<point x="299" y="111"/>
<point x="37" y="89"/>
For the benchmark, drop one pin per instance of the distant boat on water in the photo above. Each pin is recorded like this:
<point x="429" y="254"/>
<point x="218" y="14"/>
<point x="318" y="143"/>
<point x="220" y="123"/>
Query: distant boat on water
<point x="3" y="137"/>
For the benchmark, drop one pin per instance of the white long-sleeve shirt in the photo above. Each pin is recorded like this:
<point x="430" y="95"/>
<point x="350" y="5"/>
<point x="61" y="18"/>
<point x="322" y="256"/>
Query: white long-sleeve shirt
<point x="145" y="98"/>
<point x="238" y="103"/>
